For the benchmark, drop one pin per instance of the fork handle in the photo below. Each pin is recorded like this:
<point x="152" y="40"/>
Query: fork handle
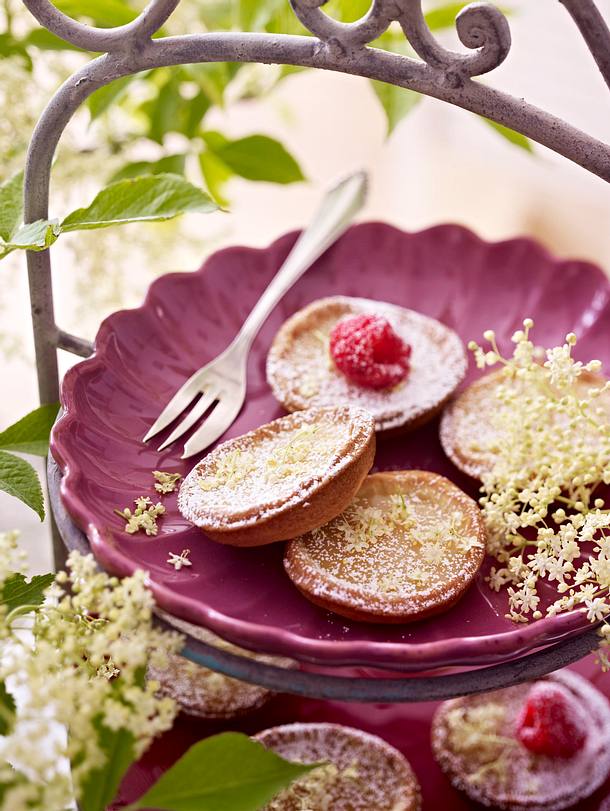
<point x="338" y="208"/>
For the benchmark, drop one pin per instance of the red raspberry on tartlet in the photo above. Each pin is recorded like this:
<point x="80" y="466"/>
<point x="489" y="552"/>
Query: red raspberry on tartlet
<point x="368" y="352"/>
<point x="550" y="723"/>
<point x="477" y="741"/>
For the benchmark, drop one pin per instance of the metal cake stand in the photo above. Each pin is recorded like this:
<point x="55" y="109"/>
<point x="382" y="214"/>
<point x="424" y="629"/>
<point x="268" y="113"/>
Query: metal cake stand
<point x="437" y="72"/>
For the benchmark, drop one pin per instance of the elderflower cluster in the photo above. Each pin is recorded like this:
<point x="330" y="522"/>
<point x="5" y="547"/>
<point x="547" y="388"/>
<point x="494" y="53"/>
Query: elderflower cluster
<point x="317" y="789"/>
<point x="79" y="676"/>
<point x="144" y="516"/>
<point x="541" y="501"/>
<point x="165" y="482"/>
<point x="231" y="469"/>
<point x="475" y="734"/>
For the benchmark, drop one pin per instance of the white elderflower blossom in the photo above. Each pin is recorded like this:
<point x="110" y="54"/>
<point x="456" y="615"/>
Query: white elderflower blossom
<point x="79" y="670"/>
<point x="545" y="519"/>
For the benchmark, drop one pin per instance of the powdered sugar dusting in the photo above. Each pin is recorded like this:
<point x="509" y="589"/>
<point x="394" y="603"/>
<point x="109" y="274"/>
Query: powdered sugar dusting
<point x="364" y="772"/>
<point x="524" y="781"/>
<point x="466" y="431"/>
<point x="203" y="693"/>
<point x="301" y="372"/>
<point x="274" y="467"/>
<point x="410" y="543"/>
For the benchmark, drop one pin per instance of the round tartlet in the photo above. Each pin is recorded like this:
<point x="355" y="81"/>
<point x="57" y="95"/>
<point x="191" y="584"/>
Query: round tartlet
<point x="364" y="773"/>
<point x="465" y="743"/>
<point x="203" y="693"/>
<point x="291" y="474"/>
<point x="467" y="431"/>
<point x="407" y="547"/>
<point x="302" y="373"/>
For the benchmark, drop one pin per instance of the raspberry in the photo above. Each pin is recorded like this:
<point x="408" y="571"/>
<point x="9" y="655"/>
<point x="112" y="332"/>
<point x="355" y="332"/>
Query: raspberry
<point x="368" y="351"/>
<point x="550" y="723"/>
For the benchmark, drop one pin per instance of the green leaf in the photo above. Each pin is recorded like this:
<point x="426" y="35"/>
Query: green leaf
<point x="163" y="111"/>
<point x="347" y="11"/>
<point x="397" y="102"/>
<point x="228" y="772"/>
<point x="105" y="13"/>
<point x="256" y="157"/>
<point x="100" y="786"/>
<point x="11" y="206"/>
<point x="215" y="174"/>
<point x="213" y="78"/>
<point x="174" y="108"/>
<point x="31" y="433"/>
<point x="146" y="198"/>
<point x="18" y="591"/>
<point x="7" y="710"/>
<point x="99" y="101"/>
<point x="443" y="16"/>
<point x="253" y="15"/>
<point x="170" y="163"/>
<point x="18" y="478"/>
<point x="513" y="137"/>
<point x="9" y="46"/>
<point x="46" y="41"/>
<point x="36" y="236"/>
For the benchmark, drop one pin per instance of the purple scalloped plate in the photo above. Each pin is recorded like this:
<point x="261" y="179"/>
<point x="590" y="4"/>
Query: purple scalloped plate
<point x="142" y="356"/>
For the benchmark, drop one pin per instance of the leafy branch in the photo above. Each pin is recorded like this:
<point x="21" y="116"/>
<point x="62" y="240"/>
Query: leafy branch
<point x="145" y="198"/>
<point x="182" y="100"/>
<point x="228" y="771"/>
<point x="83" y="672"/>
<point x="29" y="435"/>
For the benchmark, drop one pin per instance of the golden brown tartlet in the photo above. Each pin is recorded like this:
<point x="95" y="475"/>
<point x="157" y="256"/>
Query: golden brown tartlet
<point x="302" y="373"/>
<point x="203" y="693"/>
<point x="288" y="476"/>
<point x="363" y="772"/>
<point x="467" y="431"/>
<point x="407" y="547"/>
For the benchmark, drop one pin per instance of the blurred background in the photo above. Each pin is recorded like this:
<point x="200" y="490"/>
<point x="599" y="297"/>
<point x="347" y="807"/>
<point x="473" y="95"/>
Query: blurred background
<point x="428" y="162"/>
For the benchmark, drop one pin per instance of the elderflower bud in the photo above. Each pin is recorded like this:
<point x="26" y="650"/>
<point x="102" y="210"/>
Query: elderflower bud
<point x="599" y="503"/>
<point x="528" y="323"/>
<point x="489" y="335"/>
<point x="571" y="339"/>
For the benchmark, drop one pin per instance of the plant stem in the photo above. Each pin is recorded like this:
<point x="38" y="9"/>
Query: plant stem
<point x="20" y="611"/>
<point x="8" y="16"/>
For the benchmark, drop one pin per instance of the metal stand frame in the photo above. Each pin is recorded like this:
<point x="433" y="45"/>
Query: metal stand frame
<point x="438" y="72"/>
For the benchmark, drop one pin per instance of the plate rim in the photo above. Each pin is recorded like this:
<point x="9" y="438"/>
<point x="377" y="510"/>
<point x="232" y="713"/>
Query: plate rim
<point x="409" y="656"/>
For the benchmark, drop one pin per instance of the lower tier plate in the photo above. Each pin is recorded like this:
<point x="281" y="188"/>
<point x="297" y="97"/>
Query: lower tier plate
<point x="405" y="727"/>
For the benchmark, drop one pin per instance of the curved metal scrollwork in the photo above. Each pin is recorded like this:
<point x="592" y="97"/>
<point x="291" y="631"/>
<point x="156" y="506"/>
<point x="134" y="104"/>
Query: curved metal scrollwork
<point x="438" y="72"/>
<point x="480" y="26"/>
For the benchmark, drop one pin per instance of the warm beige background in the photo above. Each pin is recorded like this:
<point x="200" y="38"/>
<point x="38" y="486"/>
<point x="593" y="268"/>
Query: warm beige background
<point x="441" y="164"/>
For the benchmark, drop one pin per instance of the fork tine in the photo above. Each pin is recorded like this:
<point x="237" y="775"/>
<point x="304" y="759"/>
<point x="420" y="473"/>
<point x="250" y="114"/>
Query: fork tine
<point x="198" y="410"/>
<point x="176" y="405"/>
<point x="214" y="426"/>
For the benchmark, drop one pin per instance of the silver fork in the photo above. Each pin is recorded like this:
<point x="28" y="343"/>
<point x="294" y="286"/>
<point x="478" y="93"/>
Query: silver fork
<point x="221" y="383"/>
